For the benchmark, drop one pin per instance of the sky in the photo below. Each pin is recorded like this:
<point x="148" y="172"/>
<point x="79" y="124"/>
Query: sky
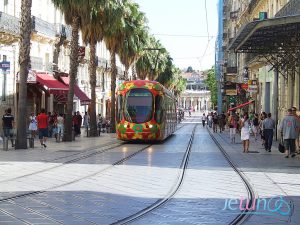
<point x="182" y="29"/>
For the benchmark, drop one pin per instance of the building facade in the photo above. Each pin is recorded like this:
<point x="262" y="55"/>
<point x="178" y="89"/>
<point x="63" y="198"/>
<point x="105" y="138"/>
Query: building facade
<point x="261" y="54"/>
<point x="196" y="96"/>
<point x="49" y="55"/>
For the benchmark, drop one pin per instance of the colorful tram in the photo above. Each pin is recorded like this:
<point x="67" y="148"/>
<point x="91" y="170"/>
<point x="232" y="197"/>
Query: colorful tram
<point x="145" y="110"/>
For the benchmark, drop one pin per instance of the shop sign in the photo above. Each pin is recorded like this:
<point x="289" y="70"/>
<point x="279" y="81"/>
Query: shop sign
<point x="31" y="78"/>
<point x="4" y="65"/>
<point x="231" y="92"/>
<point x="244" y="86"/>
<point x="252" y="88"/>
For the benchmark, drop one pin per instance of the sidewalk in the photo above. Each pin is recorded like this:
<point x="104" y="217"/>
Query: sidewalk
<point x="81" y="143"/>
<point x="269" y="173"/>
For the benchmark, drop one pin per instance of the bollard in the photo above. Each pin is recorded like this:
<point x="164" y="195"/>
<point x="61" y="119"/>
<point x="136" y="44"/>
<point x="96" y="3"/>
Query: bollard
<point x="31" y="142"/>
<point x="73" y="135"/>
<point x="5" y="143"/>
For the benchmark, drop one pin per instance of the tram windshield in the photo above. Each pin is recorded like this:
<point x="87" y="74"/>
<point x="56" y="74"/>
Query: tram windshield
<point x="139" y="106"/>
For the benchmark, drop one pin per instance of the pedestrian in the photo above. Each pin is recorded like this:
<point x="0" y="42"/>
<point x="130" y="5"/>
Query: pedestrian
<point x="288" y="130"/>
<point x="8" y="123"/>
<point x="232" y="127"/>
<point x="50" y="124"/>
<point x="268" y="126"/>
<point x="209" y="119"/>
<point x="203" y="118"/>
<point x="76" y="124"/>
<point x="42" y="122"/>
<point x="60" y="127"/>
<point x="32" y="125"/>
<point x="255" y="126"/>
<point x="263" y="115"/>
<point x="245" y="133"/>
<point x="86" y="120"/>
<point x="294" y="110"/>
<point x="79" y="118"/>
<point x="215" y="123"/>
<point x="99" y="123"/>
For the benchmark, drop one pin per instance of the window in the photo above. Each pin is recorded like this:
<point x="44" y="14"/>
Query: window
<point x="139" y="105"/>
<point x="159" y="110"/>
<point x="119" y="108"/>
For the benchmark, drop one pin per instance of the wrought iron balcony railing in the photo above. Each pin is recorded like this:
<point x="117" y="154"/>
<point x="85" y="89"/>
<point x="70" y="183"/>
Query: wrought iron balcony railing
<point x="9" y="24"/>
<point x="43" y="27"/>
<point x="291" y="8"/>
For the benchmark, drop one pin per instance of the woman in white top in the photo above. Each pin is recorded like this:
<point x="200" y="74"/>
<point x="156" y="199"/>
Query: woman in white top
<point x="32" y="125"/>
<point x="245" y="133"/>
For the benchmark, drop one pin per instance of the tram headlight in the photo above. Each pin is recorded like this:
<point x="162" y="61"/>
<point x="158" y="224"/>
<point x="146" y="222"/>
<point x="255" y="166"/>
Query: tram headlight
<point x="150" y="126"/>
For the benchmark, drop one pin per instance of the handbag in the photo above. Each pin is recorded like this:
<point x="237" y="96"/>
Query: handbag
<point x="281" y="147"/>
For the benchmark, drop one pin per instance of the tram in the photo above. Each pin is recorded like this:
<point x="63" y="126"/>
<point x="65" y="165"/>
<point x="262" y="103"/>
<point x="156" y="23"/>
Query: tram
<point x="145" y="110"/>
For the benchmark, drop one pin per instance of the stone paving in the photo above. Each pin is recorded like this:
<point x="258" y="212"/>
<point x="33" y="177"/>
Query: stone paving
<point x="92" y="191"/>
<point x="271" y="175"/>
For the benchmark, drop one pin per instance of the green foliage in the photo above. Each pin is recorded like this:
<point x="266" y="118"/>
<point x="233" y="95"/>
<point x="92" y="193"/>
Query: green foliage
<point x="212" y="84"/>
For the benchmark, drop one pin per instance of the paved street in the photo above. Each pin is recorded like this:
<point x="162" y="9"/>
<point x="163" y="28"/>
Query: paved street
<point x="89" y="181"/>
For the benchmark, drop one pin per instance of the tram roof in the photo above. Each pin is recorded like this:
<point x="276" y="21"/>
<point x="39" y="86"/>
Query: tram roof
<point x="147" y="84"/>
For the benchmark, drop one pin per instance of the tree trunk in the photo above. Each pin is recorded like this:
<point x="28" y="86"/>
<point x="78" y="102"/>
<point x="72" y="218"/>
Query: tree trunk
<point x="24" y="62"/>
<point x="59" y="41"/>
<point x="72" y="76"/>
<point x="113" y="91"/>
<point x="134" y="76"/>
<point x="92" y="68"/>
<point x="126" y="77"/>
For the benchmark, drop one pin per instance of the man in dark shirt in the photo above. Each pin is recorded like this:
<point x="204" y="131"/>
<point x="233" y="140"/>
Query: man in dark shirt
<point x="8" y="125"/>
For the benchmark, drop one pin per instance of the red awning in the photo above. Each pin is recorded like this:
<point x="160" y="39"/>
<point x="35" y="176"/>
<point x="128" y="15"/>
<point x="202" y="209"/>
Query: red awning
<point x="241" y="105"/>
<point x="51" y="84"/>
<point x="84" y="99"/>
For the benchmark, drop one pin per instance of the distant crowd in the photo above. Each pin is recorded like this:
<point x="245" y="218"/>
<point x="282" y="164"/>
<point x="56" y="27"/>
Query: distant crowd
<point x="48" y="125"/>
<point x="255" y="124"/>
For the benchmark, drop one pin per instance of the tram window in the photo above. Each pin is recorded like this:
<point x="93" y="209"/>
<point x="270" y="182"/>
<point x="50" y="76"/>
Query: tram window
<point x="158" y="109"/>
<point x="119" y="108"/>
<point x="139" y="106"/>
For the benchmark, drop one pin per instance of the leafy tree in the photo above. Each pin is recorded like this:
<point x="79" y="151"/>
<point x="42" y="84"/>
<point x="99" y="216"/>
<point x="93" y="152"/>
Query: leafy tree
<point x="211" y="82"/>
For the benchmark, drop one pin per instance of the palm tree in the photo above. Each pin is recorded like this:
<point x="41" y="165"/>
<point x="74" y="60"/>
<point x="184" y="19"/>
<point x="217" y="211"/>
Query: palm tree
<point x="92" y="32"/>
<point x="73" y="11"/>
<point x="114" y="33"/>
<point x="24" y="61"/>
<point x="135" y="36"/>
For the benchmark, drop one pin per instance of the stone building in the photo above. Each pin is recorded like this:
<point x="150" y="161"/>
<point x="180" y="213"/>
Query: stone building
<point x="48" y="77"/>
<point x="261" y="49"/>
<point x="196" y="96"/>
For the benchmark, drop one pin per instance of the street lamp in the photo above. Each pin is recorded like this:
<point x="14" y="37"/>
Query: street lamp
<point x="156" y="60"/>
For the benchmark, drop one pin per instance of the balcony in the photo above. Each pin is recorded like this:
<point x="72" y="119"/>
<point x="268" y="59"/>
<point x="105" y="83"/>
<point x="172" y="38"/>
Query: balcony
<point x="42" y="27"/>
<point x="231" y="70"/>
<point x="36" y="63"/>
<point x="234" y="14"/>
<point x="102" y="62"/>
<point x="9" y="24"/>
<point x="291" y="8"/>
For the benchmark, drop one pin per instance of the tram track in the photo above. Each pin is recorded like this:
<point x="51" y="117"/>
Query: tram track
<point x="244" y="215"/>
<point x="174" y="189"/>
<point x="106" y="148"/>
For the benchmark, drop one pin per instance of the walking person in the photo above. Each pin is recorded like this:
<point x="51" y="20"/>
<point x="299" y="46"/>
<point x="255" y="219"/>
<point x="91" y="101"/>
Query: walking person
<point x="263" y="116"/>
<point x="209" y="119"/>
<point x="32" y="125"/>
<point x="86" y="122"/>
<point x="79" y="119"/>
<point x="60" y="127"/>
<point x="268" y="126"/>
<point x="203" y="119"/>
<point x="8" y="123"/>
<point x="255" y="126"/>
<point x="42" y="122"/>
<point x="288" y="129"/>
<point x="245" y="133"/>
<point x="215" y="123"/>
<point x="232" y="127"/>
<point x="294" y="110"/>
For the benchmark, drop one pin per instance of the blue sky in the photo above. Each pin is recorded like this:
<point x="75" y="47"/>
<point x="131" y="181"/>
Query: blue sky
<point x="176" y="17"/>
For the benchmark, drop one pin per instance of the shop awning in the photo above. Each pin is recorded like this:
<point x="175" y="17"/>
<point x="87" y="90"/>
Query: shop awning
<point x="268" y="36"/>
<point x="241" y="105"/>
<point x="84" y="99"/>
<point x="50" y="84"/>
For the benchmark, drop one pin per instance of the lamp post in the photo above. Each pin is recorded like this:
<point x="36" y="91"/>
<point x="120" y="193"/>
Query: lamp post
<point x="153" y="69"/>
